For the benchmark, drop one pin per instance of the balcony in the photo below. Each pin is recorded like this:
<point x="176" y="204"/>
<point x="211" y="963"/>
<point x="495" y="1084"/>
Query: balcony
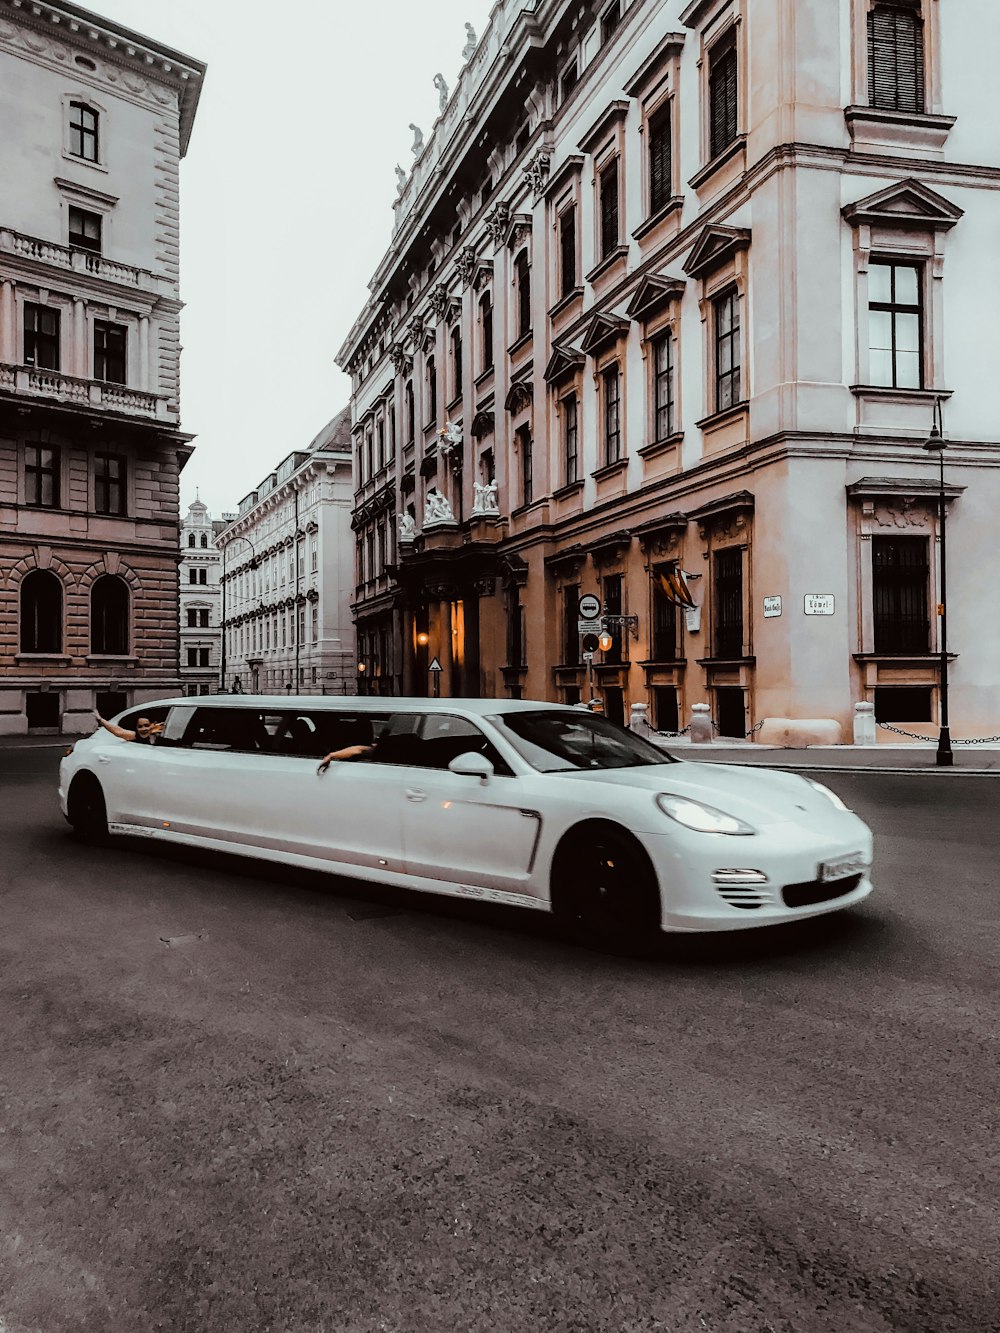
<point x="79" y="261"/>
<point x="29" y="382"/>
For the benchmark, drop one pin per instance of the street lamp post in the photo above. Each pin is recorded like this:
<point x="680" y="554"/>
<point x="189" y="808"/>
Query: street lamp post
<point x="935" y="444"/>
<point x="222" y="655"/>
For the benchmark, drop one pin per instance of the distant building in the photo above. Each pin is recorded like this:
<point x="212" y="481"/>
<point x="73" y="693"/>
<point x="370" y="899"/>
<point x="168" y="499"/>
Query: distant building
<point x="286" y="575"/>
<point x="200" y="612"/>
<point x="96" y="119"/>
<point x="673" y="290"/>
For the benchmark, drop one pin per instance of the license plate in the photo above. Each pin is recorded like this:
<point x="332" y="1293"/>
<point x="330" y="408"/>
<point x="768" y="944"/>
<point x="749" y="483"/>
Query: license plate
<point x="843" y="866"/>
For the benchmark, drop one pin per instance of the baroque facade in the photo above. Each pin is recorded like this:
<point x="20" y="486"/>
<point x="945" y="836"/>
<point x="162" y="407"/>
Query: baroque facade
<point x="285" y="576"/>
<point x="673" y="294"/>
<point x="96" y="121"/>
<point x="200" y="609"/>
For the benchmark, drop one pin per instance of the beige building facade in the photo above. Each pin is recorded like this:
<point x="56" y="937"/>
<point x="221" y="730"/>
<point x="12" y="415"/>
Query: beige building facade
<point x="96" y="120"/>
<point x="673" y="295"/>
<point x="199" y="589"/>
<point x="285" y="575"/>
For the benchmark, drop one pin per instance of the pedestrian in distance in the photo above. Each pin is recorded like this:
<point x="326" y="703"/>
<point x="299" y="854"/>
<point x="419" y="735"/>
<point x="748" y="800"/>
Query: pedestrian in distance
<point x="145" y="731"/>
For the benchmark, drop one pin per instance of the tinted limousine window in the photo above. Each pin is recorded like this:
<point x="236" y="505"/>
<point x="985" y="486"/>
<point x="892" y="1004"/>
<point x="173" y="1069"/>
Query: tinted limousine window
<point x="299" y="732"/>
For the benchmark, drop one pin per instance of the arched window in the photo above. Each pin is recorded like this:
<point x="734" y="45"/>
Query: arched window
<point x="109" y="616"/>
<point x="191" y="539"/>
<point x="522" y="279"/>
<point x="41" y="612"/>
<point x="204" y="539"/>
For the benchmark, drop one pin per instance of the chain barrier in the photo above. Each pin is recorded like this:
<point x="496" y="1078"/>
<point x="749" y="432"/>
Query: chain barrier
<point x="916" y="736"/>
<point x="747" y="734"/>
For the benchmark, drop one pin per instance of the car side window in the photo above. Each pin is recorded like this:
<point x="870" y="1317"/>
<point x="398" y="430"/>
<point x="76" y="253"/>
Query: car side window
<point x="433" y="741"/>
<point x="237" y="729"/>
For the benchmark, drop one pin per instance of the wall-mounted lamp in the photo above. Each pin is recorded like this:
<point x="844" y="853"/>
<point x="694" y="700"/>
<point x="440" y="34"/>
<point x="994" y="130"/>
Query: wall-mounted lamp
<point x="423" y="638"/>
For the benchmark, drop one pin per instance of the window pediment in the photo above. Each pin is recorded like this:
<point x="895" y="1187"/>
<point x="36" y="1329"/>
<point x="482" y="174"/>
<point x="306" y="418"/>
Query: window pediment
<point x="607" y="550"/>
<point x="563" y="174"/>
<point x="669" y="47"/>
<point x="519" y="396"/>
<point x="482" y="424"/>
<point x="715" y="246"/>
<point x="905" y="488"/>
<point x="652" y="293"/>
<point x="604" y="126"/>
<point x="601" y="330"/>
<point x="518" y="231"/>
<point x="908" y="203"/>
<point x="563" y="362"/>
<point x="740" y="502"/>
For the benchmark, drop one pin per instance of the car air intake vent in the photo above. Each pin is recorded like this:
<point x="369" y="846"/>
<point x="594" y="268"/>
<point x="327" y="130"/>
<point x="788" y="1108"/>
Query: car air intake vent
<point x="818" y="891"/>
<point x="748" y="898"/>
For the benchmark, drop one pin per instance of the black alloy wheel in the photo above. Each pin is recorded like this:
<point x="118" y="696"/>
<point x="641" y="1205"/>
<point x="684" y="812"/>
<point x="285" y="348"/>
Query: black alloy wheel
<point x="606" y="893"/>
<point x="88" y="813"/>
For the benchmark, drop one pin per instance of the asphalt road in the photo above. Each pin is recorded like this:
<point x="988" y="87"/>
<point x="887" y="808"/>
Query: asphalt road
<point x="235" y="1102"/>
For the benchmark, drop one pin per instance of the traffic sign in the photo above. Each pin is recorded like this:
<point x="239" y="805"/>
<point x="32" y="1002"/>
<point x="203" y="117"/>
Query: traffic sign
<point x="435" y="665"/>
<point x="589" y="606"/>
<point x="589" y="644"/>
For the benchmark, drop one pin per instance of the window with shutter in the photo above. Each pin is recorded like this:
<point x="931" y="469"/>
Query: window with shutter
<point x="722" y="90"/>
<point x="896" y="58"/>
<point x="609" y="208"/>
<point x="567" y="250"/>
<point x="727" y="568"/>
<point x="659" y="160"/>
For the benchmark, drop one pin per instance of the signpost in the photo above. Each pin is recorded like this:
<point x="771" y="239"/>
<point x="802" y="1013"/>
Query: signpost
<point x="435" y="669"/>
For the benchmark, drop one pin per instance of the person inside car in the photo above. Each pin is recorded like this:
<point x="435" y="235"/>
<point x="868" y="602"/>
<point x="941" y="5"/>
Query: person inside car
<point x="145" y="731"/>
<point x="347" y="752"/>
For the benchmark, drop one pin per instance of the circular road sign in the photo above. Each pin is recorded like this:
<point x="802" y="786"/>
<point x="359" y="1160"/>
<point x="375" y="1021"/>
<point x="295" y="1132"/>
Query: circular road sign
<point x="589" y="643"/>
<point x="589" y="606"/>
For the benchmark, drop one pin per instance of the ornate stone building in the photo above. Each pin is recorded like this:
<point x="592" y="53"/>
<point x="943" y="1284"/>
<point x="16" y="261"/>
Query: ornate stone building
<point x="673" y="291"/>
<point x="200" y="609"/>
<point x="285" y="575"/>
<point x="96" y="120"/>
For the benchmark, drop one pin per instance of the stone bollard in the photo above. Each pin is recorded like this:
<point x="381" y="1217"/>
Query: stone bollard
<point x="700" y="725"/>
<point x="864" y="724"/>
<point x="638" y="720"/>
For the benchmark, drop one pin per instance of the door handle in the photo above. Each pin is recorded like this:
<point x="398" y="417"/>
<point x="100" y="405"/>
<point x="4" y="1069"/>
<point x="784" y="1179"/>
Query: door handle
<point x="103" y="759"/>
<point x="412" y="795"/>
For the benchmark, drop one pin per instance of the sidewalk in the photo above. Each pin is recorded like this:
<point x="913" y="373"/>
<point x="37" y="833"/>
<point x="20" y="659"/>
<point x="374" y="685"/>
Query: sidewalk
<point x="921" y="756"/>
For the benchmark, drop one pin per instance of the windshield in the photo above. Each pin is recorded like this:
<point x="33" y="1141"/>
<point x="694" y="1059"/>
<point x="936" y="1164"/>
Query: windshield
<point x="563" y="739"/>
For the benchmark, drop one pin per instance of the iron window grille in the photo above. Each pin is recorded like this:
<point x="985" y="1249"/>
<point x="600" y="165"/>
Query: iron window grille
<point x="727" y="569"/>
<point x="83" y="131"/>
<point x="895" y="325"/>
<point x="722" y="95"/>
<point x="659" y="159"/>
<point x="900" y="583"/>
<point x="611" y="383"/>
<point x="663" y="645"/>
<point x="663" y="386"/>
<point x="726" y="313"/>
<point x="41" y="476"/>
<point x="41" y="336"/>
<point x="896" y="58"/>
<point x="109" y="486"/>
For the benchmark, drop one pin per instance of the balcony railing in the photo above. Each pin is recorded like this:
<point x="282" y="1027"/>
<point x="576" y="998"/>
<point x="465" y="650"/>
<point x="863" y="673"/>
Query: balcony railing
<point x="35" y="383"/>
<point x="80" y="261"/>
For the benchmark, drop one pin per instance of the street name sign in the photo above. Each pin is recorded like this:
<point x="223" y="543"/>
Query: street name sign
<point x="772" y="606"/>
<point x="819" y="604"/>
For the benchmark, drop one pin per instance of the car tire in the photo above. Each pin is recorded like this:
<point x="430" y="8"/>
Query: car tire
<point x="604" y="891"/>
<point x="88" y="813"/>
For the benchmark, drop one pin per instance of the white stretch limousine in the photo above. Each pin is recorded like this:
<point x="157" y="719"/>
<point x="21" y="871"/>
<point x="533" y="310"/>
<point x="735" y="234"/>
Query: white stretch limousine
<point x="509" y="801"/>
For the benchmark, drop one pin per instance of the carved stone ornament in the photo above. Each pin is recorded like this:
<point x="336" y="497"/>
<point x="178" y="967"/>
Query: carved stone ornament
<point x="536" y="169"/>
<point x="485" y="502"/>
<point x="497" y="222"/>
<point x="450" y="439"/>
<point x="465" y="264"/>
<point x="438" y="299"/>
<point x="416" y="330"/>
<point x="402" y="363"/>
<point x="483" y="424"/>
<point x="486" y="587"/>
<point x="437" y="510"/>
<point x="902" y="513"/>
<point x="407" y="527"/>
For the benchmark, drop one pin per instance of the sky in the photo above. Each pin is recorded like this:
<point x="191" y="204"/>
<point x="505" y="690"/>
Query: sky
<point x="286" y="204"/>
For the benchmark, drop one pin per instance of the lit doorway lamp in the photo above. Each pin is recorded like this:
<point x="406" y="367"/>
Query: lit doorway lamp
<point x="936" y="444"/>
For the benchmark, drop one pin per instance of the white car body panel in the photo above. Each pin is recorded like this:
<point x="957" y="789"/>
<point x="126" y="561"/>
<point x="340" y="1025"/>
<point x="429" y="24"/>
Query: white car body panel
<point x="440" y="831"/>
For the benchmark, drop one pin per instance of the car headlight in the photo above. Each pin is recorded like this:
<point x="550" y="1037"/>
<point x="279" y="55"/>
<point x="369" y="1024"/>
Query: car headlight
<point x="831" y="796"/>
<point x="701" y="818"/>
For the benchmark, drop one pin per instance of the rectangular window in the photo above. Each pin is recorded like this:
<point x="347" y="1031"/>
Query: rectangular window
<point x="663" y="386"/>
<point x="527" y="470"/>
<point x="608" y="184"/>
<point x="41" y="336"/>
<point x="41" y="476"/>
<point x="192" y="618"/>
<point x="903" y="703"/>
<point x="486" y="326"/>
<point x="456" y="362"/>
<point x="83" y="123"/>
<point x="84" y="229"/>
<point x="722" y="93"/>
<point x="896" y="57"/>
<point x="192" y="657"/>
<point x="659" y="159"/>
<point x="611" y="386"/>
<point x="571" y="635"/>
<point x="571" y="455"/>
<point x="727" y="570"/>
<point x="612" y="589"/>
<point x="610" y="20"/>
<point x="109" y="488"/>
<point x="380" y="443"/>
<point x="726" y="313"/>
<point x="203" y="657"/>
<point x="203" y="619"/>
<point x="900" y="590"/>
<point x="663" y="645"/>
<point x="523" y="281"/>
<point x="895" y="325"/>
<point x="567" y="251"/>
<point x="432" y="391"/>
<point x="568" y="79"/>
<point x="109" y="352"/>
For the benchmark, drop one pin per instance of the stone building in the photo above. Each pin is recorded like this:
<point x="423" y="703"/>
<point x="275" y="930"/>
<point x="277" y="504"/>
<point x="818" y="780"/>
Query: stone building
<point x="285" y="575"/>
<point x="200" y="610"/>
<point x="682" y="282"/>
<point x="96" y="120"/>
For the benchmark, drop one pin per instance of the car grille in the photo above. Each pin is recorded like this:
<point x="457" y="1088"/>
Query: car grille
<point x="818" y="891"/>
<point x="748" y="897"/>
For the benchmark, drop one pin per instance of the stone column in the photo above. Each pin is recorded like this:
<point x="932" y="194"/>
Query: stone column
<point x="78" y="352"/>
<point x="8" y="330"/>
<point x="143" y="366"/>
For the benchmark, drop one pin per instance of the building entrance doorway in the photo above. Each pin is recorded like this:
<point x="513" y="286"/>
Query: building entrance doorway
<point x="42" y="708"/>
<point x="730" y="716"/>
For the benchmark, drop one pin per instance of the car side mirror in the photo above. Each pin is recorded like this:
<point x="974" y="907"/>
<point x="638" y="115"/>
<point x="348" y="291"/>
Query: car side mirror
<point x="472" y="765"/>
